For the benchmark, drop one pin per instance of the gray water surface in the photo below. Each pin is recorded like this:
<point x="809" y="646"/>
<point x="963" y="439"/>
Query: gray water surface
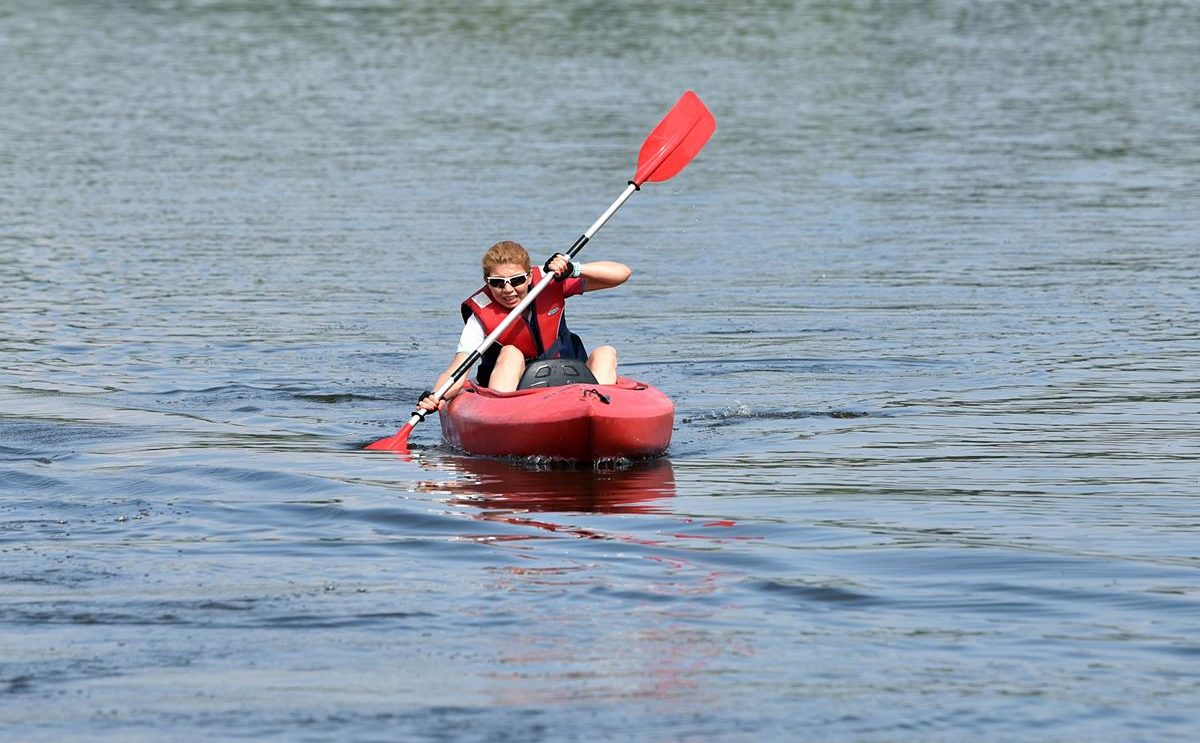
<point x="928" y="305"/>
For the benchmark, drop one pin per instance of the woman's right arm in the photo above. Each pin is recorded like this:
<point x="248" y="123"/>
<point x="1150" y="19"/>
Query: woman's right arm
<point x="426" y="403"/>
<point x="471" y="338"/>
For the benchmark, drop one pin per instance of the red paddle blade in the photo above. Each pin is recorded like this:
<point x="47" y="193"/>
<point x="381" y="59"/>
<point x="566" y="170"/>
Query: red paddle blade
<point x="396" y="442"/>
<point x="675" y="141"/>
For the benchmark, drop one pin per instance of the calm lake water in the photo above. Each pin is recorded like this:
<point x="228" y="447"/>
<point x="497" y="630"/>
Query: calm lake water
<point x="928" y="305"/>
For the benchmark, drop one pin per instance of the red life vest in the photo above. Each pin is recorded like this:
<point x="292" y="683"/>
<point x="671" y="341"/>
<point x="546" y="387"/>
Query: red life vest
<point x="552" y="339"/>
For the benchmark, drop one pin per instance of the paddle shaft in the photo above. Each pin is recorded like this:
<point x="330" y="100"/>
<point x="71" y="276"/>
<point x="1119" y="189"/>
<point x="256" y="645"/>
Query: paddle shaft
<point x="465" y="366"/>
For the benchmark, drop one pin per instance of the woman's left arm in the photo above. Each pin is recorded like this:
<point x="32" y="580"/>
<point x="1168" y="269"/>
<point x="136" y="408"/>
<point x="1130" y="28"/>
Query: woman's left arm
<point x="604" y="274"/>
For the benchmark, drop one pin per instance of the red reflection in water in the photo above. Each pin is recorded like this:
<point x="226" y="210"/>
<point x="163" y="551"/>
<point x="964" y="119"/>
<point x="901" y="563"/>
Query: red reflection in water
<point x="514" y="486"/>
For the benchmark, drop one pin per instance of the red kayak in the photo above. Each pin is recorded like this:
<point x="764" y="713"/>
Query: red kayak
<point x="581" y="422"/>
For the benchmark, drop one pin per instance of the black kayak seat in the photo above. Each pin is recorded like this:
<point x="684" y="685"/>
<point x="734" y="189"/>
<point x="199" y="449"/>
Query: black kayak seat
<point x="556" y="373"/>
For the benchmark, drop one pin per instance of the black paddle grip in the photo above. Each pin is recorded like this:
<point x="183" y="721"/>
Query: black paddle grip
<point x="578" y="246"/>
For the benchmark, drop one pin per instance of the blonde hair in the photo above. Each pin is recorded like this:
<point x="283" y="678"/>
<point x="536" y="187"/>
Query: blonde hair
<point x="505" y="251"/>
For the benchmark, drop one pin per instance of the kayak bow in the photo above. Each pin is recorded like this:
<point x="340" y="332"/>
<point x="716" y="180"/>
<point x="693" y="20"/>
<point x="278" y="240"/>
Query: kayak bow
<point x="580" y="422"/>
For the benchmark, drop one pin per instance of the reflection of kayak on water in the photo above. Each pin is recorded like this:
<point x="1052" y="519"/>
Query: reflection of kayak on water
<point x="501" y="484"/>
<point x="580" y="421"/>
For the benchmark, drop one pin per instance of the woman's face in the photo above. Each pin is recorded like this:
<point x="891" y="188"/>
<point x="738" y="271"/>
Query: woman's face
<point x="506" y="294"/>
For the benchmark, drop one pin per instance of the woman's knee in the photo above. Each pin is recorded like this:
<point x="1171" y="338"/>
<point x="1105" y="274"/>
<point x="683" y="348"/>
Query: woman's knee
<point x="604" y="353"/>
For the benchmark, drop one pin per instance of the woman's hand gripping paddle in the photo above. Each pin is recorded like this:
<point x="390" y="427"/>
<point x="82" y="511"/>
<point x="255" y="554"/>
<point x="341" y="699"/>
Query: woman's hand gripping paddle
<point x="681" y="134"/>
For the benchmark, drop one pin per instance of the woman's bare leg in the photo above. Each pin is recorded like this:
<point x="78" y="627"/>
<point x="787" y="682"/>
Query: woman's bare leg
<point x="603" y="363"/>
<point x="510" y="365"/>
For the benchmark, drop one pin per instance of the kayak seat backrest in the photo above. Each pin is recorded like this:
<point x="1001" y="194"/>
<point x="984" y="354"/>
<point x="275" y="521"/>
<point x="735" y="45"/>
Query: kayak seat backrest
<point x="556" y="373"/>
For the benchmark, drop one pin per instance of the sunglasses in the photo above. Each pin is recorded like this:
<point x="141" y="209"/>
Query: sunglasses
<point x="498" y="282"/>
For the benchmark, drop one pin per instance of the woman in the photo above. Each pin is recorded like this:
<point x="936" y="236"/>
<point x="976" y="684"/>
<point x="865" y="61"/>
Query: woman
<point x="541" y="332"/>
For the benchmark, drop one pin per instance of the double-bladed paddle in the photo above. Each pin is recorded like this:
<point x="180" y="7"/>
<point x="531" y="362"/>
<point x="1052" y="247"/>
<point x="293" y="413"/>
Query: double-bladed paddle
<point x="681" y="134"/>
